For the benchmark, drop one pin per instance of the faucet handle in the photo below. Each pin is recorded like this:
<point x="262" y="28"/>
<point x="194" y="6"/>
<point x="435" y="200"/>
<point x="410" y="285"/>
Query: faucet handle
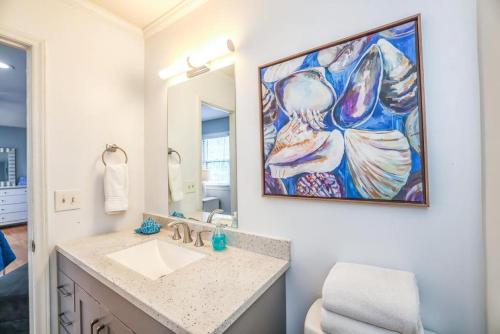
<point x="175" y="225"/>
<point x="176" y="235"/>
<point x="199" y="240"/>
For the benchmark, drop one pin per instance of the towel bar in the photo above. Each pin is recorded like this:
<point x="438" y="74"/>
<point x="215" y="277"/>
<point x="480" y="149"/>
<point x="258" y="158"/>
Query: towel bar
<point x="112" y="148"/>
<point x="171" y="150"/>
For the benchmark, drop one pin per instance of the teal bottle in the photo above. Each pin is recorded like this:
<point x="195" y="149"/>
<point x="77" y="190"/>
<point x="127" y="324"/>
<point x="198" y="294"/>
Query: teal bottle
<point x="219" y="240"/>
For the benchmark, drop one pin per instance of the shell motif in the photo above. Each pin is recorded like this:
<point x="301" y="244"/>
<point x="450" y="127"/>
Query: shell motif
<point x="307" y="95"/>
<point x="412" y="127"/>
<point x="325" y="159"/>
<point x="358" y="101"/>
<point x="269" y="138"/>
<point x="399" y="91"/>
<point x="319" y="185"/>
<point x="294" y="141"/>
<point x="339" y="57"/>
<point x="402" y="30"/>
<point x="273" y="186"/>
<point x="282" y="70"/>
<point x="379" y="162"/>
<point x="269" y="106"/>
<point x="413" y="191"/>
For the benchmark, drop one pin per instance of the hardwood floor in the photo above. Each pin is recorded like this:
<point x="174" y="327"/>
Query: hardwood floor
<point x="17" y="236"/>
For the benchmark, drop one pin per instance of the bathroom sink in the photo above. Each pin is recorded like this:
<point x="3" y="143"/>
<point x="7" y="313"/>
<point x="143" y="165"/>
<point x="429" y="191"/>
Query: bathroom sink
<point x="155" y="258"/>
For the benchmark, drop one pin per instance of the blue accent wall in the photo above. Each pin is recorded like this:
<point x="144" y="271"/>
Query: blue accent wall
<point x="215" y="126"/>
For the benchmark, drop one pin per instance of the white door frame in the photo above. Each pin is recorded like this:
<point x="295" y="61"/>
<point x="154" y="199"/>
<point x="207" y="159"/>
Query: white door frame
<point x="39" y="292"/>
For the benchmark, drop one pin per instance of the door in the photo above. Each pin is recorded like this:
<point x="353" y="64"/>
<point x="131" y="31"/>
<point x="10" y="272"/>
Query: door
<point x="88" y="312"/>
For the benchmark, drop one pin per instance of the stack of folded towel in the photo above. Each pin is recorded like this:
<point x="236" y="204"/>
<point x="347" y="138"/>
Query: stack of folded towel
<point x="360" y="299"/>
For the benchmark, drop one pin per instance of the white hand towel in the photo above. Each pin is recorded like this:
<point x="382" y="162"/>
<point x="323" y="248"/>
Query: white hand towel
<point x="115" y="188"/>
<point x="333" y="323"/>
<point x="175" y="182"/>
<point x="381" y="297"/>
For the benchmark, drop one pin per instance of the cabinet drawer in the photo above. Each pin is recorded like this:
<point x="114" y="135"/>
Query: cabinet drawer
<point x="13" y="192"/>
<point x="66" y="298"/>
<point x="13" y="216"/>
<point x="16" y="199"/>
<point x="13" y="208"/>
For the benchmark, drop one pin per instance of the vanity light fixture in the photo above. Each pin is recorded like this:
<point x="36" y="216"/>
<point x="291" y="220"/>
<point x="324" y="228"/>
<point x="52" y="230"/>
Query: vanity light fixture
<point x="5" y="66"/>
<point x="209" y="56"/>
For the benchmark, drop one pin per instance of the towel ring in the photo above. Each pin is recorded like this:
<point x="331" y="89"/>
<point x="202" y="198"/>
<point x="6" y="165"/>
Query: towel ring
<point x="171" y="150"/>
<point x="112" y="148"/>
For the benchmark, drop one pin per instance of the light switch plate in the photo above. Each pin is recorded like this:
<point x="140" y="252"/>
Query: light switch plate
<point x="189" y="187"/>
<point x="66" y="200"/>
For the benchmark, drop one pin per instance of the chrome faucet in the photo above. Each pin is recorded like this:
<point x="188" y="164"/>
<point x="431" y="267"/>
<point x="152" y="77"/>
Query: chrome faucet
<point x="212" y="214"/>
<point x="187" y="231"/>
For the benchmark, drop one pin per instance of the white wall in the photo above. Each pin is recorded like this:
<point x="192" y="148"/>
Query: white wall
<point x="443" y="244"/>
<point x="94" y="96"/>
<point x="489" y="54"/>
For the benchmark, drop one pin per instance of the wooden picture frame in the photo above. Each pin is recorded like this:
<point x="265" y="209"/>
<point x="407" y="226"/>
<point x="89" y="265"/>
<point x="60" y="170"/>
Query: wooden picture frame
<point x="296" y="164"/>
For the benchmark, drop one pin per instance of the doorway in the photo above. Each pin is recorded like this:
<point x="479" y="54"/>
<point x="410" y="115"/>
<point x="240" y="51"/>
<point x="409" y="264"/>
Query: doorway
<point x="14" y="254"/>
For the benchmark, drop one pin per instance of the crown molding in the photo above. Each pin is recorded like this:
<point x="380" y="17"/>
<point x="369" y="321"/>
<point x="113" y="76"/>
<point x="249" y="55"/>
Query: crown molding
<point x="173" y="15"/>
<point x="103" y="13"/>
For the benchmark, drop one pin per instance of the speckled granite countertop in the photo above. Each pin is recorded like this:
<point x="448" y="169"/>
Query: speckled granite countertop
<point x="206" y="296"/>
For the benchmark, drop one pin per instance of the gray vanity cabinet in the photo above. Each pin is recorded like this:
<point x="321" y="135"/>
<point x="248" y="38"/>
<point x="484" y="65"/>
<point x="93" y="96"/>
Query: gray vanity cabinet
<point x="87" y="306"/>
<point x="92" y="317"/>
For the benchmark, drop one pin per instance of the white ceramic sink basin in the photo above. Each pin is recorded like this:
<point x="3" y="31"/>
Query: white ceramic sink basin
<point x="155" y="258"/>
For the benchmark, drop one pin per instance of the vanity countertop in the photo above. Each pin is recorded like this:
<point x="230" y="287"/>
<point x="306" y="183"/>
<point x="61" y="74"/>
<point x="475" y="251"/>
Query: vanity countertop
<point x="206" y="296"/>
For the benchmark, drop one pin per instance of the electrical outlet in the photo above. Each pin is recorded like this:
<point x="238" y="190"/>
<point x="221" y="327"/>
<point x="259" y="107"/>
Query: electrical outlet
<point x="189" y="187"/>
<point x="66" y="200"/>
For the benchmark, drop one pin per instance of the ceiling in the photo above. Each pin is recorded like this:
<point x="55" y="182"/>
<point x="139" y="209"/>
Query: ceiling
<point x="209" y="112"/>
<point x="140" y="13"/>
<point x="13" y="87"/>
<point x="13" y="82"/>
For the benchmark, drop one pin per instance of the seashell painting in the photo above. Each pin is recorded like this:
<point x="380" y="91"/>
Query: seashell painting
<point x="412" y="127"/>
<point x="345" y="121"/>
<point x="273" y="185"/>
<point x="282" y="70"/>
<point x="307" y="95"/>
<point x="269" y="106"/>
<point x="379" y="162"/>
<point x="400" y="84"/>
<point x="339" y="57"/>
<point x="319" y="185"/>
<point x="357" y="103"/>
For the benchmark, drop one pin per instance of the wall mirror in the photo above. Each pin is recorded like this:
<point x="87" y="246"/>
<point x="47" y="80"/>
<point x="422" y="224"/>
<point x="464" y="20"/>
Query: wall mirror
<point x="7" y="167"/>
<point x="202" y="147"/>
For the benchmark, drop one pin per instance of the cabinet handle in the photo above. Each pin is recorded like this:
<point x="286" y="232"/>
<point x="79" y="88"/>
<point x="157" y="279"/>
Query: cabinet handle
<point x="92" y="324"/>
<point x="100" y="328"/>
<point x="64" y="323"/>
<point x="63" y="291"/>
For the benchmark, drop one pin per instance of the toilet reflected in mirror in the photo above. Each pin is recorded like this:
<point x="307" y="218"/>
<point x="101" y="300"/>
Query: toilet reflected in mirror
<point x="202" y="146"/>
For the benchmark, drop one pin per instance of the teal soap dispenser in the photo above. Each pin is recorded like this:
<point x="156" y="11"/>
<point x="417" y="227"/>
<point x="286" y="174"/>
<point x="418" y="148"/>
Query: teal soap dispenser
<point x="219" y="240"/>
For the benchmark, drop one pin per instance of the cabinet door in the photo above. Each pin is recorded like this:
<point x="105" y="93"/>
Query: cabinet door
<point x="113" y="324"/>
<point x="88" y="312"/>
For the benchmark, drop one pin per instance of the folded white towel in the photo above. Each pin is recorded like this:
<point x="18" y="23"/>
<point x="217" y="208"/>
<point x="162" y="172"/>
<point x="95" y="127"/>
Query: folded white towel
<point x="380" y="297"/>
<point x="115" y="188"/>
<point x="175" y="182"/>
<point x="333" y="323"/>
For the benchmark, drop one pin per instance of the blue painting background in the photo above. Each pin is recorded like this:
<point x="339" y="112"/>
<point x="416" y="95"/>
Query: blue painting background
<point x="380" y="119"/>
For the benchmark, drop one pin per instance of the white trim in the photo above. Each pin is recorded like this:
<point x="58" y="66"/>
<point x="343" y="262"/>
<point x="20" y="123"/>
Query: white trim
<point x="170" y="17"/>
<point x="37" y="188"/>
<point x="106" y="14"/>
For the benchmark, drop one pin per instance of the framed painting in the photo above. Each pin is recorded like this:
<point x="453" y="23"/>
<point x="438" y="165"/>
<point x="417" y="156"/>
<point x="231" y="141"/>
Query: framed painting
<point x="345" y="121"/>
